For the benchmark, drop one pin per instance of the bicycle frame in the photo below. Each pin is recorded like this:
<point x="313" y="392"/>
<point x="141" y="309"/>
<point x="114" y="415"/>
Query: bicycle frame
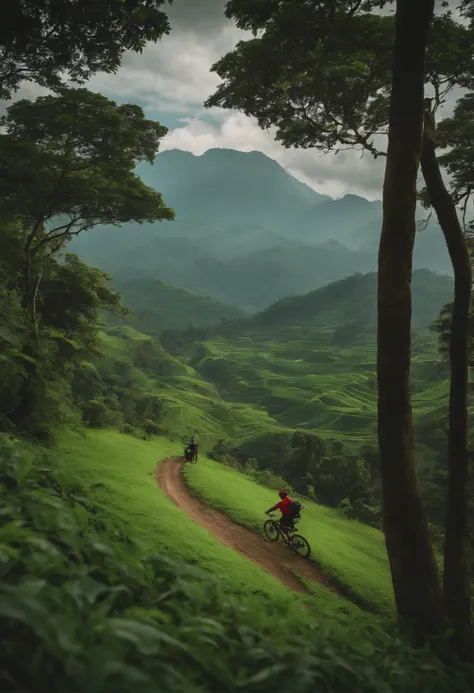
<point x="288" y="534"/>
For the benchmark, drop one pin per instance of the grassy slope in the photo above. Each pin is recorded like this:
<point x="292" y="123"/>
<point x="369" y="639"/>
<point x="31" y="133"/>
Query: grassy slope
<point x="352" y="553"/>
<point x="117" y="474"/>
<point x="192" y="404"/>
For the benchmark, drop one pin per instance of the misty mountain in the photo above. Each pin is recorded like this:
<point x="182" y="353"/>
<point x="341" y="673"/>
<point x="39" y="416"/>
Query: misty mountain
<point x="341" y="219"/>
<point x="225" y="188"/>
<point x="247" y="232"/>
<point x="354" y="300"/>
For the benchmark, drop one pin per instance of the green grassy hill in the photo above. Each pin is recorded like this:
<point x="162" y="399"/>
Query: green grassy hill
<point x="354" y="300"/>
<point x="117" y="473"/>
<point x="158" y="306"/>
<point x="353" y="554"/>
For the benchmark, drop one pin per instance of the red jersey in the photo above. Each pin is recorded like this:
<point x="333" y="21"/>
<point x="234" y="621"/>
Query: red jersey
<point x="283" y="506"/>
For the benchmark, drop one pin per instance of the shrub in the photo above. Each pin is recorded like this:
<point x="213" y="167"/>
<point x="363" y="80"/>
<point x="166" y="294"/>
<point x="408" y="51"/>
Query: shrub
<point x="151" y="428"/>
<point x="363" y="512"/>
<point x="102" y="412"/>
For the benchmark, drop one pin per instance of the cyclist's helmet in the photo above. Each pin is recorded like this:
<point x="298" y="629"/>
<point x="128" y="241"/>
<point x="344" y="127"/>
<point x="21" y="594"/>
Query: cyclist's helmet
<point x="283" y="493"/>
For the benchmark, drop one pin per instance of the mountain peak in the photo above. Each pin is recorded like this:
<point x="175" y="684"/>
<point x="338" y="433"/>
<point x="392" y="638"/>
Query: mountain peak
<point x="349" y="200"/>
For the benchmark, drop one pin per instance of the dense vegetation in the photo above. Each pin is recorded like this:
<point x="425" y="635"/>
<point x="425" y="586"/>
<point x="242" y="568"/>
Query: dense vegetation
<point x="97" y="588"/>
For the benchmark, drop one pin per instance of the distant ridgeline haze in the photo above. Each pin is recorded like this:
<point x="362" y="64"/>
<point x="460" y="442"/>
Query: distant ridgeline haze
<point x="247" y="233"/>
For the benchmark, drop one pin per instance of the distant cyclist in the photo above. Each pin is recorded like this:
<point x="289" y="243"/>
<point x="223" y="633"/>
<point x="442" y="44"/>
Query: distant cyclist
<point x="289" y="510"/>
<point x="193" y="448"/>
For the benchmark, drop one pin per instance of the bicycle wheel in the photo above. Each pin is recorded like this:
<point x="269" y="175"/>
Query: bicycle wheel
<point x="300" y="545"/>
<point x="271" y="529"/>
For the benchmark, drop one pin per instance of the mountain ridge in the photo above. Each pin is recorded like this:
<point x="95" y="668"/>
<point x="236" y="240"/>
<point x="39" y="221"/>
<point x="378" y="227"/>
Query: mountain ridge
<point x="247" y="232"/>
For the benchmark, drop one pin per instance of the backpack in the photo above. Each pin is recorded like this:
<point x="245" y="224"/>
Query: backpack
<point x="295" y="509"/>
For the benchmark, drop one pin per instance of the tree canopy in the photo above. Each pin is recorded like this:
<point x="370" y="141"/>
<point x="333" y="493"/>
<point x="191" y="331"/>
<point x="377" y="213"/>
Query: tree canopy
<point x="320" y="73"/>
<point x="67" y="164"/>
<point x="47" y="40"/>
<point x="456" y="134"/>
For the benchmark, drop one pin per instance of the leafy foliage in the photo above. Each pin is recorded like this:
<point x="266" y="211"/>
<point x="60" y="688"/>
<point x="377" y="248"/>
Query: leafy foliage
<point x="457" y="133"/>
<point x="69" y="303"/>
<point x="320" y="72"/>
<point x="41" y="40"/>
<point x="68" y="165"/>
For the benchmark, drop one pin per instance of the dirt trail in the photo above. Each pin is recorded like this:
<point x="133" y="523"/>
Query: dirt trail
<point x="276" y="558"/>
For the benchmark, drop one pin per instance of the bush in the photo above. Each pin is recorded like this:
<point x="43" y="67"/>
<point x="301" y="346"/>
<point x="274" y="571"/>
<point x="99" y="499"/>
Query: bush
<point x="84" y="608"/>
<point x="151" y="428"/>
<point x="363" y="512"/>
<point x="102" y="412"/>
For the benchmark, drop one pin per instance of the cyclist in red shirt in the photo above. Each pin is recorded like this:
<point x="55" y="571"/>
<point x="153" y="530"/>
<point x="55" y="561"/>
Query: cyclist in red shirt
<point x="286" y="521"/>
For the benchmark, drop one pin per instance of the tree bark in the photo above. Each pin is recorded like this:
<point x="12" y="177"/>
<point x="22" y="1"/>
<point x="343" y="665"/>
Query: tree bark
<point x="456" y="571"/>
<point x="416" y="584"/>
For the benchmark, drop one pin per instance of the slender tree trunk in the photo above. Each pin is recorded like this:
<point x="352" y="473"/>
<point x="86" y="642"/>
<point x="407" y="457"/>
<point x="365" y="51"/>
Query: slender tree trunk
<point x="456" y="570"/>
<point x="414" y="571"/>
<point x="25" y="414"/>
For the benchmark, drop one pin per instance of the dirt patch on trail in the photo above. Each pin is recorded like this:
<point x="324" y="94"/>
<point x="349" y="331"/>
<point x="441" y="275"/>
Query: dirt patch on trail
<point x="276" y="558"/>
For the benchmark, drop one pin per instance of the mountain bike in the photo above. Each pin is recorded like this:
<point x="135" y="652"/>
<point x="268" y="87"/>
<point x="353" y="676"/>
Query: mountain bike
<point x="274" y="530"/>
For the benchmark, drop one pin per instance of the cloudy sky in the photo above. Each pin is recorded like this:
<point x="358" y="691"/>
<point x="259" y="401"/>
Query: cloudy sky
<point x="172" y="79"/>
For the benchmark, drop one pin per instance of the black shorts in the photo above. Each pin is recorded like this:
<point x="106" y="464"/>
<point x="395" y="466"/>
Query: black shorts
<point x="286" y="521"/>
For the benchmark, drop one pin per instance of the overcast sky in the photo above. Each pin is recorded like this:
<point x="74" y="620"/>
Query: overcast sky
<point x="172" y="79"/>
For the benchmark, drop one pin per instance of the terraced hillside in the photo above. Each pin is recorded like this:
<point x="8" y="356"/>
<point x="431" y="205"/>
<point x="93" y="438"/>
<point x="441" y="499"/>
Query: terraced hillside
<point x="133" y="363"/>
<point x="310" y="361"/>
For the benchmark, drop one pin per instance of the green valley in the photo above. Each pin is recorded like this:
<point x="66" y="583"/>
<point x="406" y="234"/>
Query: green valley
<point x="309" y="361"/>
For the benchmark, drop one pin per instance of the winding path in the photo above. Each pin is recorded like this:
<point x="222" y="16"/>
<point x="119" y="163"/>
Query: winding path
<point x="276" y="558"/>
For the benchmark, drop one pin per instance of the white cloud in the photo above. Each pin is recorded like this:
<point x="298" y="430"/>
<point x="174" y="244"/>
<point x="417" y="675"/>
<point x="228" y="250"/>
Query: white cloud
<point x="173" y="75"/>
<point x="333" y="175"/>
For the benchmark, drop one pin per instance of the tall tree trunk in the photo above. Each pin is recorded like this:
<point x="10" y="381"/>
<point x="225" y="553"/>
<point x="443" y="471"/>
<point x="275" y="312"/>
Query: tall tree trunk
<point x="414" y="571"/>
<point x="456" y="571"/>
